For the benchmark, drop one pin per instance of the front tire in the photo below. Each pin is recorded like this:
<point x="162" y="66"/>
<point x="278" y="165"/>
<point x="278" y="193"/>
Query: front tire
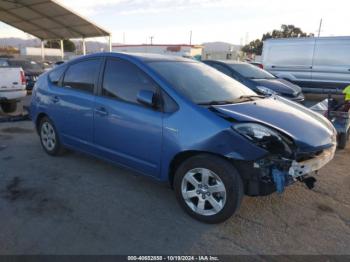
<point x="49" y="138"/>
<point x="208" y="188"/>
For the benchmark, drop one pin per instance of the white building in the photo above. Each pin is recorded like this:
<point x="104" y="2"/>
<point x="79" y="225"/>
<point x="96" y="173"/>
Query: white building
<point x="177" y="50"/>
<point x="36" y="51"/>
<point x="221" y="51"/>
<point x="50" y="53"/>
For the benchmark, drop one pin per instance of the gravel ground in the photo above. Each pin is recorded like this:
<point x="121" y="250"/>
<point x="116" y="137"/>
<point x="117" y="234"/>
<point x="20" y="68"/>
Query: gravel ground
<point x="77" y="204"/>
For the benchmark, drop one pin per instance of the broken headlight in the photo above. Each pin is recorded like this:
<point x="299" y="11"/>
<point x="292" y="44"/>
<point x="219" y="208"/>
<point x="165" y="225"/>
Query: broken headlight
<point x="266" y="138"/>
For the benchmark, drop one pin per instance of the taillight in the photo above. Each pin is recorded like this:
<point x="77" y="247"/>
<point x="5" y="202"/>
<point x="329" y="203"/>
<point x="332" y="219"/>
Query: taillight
<point x="261" y="66"/>
<point x="23" y="78"/>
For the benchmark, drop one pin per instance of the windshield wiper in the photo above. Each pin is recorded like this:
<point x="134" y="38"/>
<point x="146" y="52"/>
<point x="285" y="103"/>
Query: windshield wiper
<point x="252" y="96"/>
<point x="247" y="98"/>
<point x="215" y="102"/>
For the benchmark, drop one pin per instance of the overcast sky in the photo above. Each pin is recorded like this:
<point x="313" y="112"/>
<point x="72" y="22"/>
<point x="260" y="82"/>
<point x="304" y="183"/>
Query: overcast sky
<point x="234" y="21"/>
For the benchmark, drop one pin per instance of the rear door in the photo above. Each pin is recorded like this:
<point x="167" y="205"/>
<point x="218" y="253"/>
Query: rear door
<point x="125" y="131"/>
<point x="331" y="67"/>
<point x="72" y="102"/>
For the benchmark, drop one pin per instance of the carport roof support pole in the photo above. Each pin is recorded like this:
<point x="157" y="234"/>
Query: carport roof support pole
<point x="110" y="43"/>
<point x="42" y="50"/>
<point x="62" y="49"/>
<point x="84" y="47"/>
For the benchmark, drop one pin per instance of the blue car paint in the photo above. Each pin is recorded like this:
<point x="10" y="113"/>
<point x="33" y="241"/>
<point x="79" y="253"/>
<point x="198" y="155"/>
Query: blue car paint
<point x="264" y="111"/>
<point x="147" y="140"/>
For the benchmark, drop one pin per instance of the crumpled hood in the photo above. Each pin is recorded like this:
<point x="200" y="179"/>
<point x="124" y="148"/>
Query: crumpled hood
<point x="280" y="86"/>
<point x="309" y="130"/>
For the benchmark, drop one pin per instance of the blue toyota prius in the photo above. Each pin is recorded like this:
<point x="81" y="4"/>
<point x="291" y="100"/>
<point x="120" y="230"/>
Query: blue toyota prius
<point x="181" y="121"/>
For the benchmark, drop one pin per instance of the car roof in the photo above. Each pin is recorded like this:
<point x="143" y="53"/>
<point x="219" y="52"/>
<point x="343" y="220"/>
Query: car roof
<point x="227" y="62"/>
<point x="143" y="57"/>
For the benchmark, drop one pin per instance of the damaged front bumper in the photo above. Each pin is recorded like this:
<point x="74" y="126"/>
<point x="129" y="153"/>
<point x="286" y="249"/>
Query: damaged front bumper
<point x="306" y="167"/>
<point x="281" y="172"/>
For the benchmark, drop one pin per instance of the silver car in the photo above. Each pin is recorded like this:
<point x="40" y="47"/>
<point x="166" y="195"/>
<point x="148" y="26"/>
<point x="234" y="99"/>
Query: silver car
<point x="310" y="62"/>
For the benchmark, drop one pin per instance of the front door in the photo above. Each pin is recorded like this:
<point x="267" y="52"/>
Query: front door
<point x="126" y="131"/>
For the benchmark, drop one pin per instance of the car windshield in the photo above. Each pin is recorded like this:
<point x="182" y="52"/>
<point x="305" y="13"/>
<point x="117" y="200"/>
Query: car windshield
<point x="251" y="71"/>
<point x="201" y="83"/>
<point x="26" y="65"/>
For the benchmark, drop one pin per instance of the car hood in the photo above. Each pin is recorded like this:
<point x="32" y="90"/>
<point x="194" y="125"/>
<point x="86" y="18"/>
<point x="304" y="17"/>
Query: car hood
<point x="309" y="130"/>
<point x="280" y="86"/>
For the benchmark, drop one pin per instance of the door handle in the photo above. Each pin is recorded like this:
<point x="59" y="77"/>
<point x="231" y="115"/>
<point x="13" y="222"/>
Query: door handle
<point x="55" y="99"/>
<point x="101" y="111"/>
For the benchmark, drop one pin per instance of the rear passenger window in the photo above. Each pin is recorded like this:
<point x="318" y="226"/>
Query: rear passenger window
<point x="82" y="75"/>
<point x="56" y="74"/>
<point x="123" y="80"/>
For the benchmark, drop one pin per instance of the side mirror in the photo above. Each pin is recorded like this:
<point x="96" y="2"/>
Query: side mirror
<point x="147" y="97"/>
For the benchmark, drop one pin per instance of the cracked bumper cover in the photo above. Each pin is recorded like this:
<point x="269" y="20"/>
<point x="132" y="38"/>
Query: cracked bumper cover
<point x="303" y="168"/>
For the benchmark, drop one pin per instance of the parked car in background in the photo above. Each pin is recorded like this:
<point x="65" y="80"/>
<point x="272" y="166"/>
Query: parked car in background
<point x="32" y="70"/>
<point x="46" y="65"/>
<point x="12" y="86"/>
<point x="179" y="120"/>
<point x="260" y="65"/>
<point x="258" y="79"/>
<point x="58" y="63"/>
<point x="322" y="62"/>
<point x="4" y="62"/>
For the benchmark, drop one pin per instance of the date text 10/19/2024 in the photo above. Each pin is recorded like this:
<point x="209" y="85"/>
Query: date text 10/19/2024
<point x="173" y="258"/>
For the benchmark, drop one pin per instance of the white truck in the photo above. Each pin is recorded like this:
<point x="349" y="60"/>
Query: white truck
<point x="12" y="86"/>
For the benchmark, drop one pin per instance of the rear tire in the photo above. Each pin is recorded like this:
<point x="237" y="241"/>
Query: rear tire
<point x="49" y="138"/>
<point x="208" y="188"/>
<point x="9" y="107"/>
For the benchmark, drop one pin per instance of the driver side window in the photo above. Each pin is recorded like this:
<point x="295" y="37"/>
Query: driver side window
<point x="122" y="80"/>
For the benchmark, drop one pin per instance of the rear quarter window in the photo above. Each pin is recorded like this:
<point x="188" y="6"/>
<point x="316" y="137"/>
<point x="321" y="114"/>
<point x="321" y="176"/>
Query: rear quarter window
<point x="82" y="75"/>
<point x="56" y="75"/>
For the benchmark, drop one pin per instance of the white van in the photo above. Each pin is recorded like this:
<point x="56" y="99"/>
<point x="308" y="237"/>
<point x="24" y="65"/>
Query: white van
<point x="322" y="62"/>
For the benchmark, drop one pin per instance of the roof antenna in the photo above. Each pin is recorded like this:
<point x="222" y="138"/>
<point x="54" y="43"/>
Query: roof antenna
<point x="319" y="29"/>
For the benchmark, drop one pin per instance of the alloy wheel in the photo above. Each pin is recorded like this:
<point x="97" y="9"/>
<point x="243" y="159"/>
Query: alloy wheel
<point x="203" y="191"/>
<point x="48" y="136"/>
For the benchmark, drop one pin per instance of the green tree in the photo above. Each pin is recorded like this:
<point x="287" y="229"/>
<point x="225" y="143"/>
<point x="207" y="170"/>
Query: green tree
<point x="69" y="46"/>
<point x="286" y="31"/>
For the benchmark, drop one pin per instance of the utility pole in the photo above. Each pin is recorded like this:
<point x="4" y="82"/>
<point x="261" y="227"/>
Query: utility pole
<point x="191" y="37"/>
<point x="319" y="29"/>
<point x="151" y="37"/>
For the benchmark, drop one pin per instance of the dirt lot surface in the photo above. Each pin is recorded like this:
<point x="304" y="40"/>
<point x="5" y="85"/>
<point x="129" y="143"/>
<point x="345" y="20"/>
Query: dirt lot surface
<point x="77" y="204"/>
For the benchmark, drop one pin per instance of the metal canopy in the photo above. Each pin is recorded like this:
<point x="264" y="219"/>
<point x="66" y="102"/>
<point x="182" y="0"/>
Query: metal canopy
<point x="47" y="20"/>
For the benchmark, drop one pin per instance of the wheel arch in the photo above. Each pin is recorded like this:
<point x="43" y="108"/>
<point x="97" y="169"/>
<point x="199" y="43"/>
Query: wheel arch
<point x="183" y="156"/>
<point x="38" y="119"/>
